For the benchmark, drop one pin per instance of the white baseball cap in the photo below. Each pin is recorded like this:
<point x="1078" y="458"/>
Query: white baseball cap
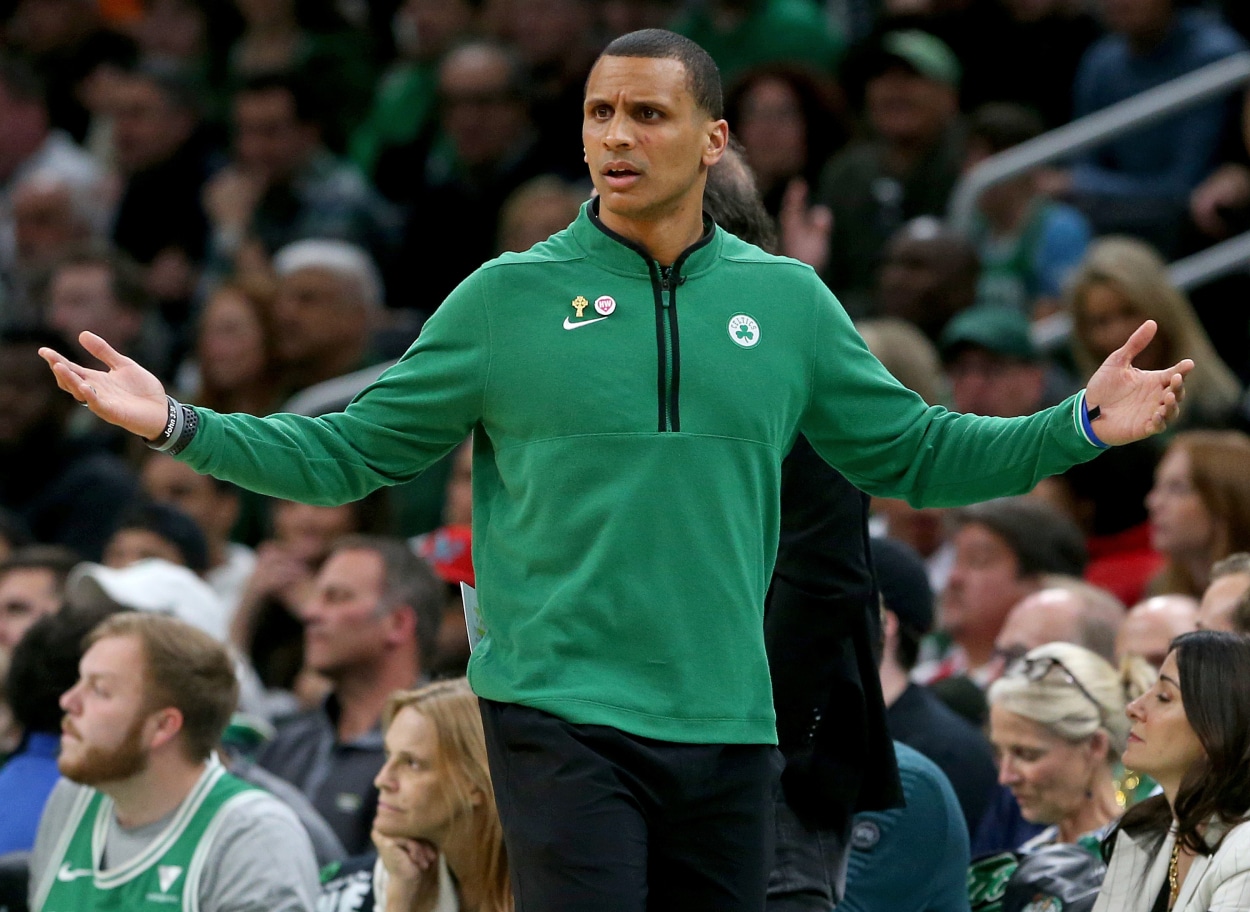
<point x="154" y="585"/>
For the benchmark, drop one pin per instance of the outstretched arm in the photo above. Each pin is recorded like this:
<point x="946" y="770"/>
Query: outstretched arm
<point x="1134" y="403"/>
<point x="417" y="410"/>
<point x="126" y="394"/>
<point x="886" y="442"/>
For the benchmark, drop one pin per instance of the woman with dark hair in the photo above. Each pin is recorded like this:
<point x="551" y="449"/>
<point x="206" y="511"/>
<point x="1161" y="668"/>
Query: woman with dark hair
<point x="235" y="349"/>
<point x="1188" y="850"/>
<point x="789" y="120"/>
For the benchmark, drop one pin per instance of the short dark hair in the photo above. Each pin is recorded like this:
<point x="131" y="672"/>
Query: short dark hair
<point x="56" y="559"/>
<point x="907" y="652"/>
<point x="520" y="81"/>
<point x="126" y="279"/>
<point x="702" y="75"/>
<point x="22" y="81"/>
<point x="305" y="101"/>
<point x="172" y="525"/>
<point x="13" y="529"/>
<point x="1001" y="125"/>
<point x="406" y="580"/>
<point x="732" y="199"/>
<point x="44" y="665"/>
<point x="33" y="337"/>
<point x="180" y="88"/>
<point x="1042" y="539"/>
<point x="1237" y="562"/>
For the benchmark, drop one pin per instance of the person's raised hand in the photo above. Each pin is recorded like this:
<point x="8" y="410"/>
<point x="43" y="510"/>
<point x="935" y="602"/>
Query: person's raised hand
<point x="1227" y="188"/>
<point x="125" y="394"/>
<point x="1135" y="403"/>
<point x="805" y="230"/>
<point x="230" y="198"/>
<point x="407" y="862"/>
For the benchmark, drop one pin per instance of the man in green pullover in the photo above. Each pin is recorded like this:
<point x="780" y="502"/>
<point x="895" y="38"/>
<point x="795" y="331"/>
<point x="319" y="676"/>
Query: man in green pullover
<point x="633" y="384"/>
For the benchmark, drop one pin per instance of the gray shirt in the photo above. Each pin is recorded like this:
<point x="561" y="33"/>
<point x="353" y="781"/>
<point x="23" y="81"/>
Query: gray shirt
<point x="336" y="776"/>
<point x="261" y="860"/>
<point x="326" y="845"/>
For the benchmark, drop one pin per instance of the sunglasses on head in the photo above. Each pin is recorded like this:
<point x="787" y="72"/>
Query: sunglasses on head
<point x="1039" y="667"/>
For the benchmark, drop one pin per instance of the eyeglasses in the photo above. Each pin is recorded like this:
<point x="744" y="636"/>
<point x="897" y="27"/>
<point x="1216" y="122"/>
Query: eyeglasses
<point x="1036" y="669"/>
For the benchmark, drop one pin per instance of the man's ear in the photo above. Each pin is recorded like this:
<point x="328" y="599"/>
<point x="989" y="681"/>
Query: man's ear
<point x="401" y="625"/>
<point x="717" y="142"/>
<point x="165" y="724"/>
<point x="889" y="623"/>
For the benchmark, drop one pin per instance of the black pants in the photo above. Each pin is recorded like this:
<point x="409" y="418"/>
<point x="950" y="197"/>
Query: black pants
<point x="596" y="820"/>
<point x="809" y="869"/>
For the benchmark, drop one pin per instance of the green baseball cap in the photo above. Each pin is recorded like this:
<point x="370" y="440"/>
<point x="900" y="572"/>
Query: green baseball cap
<point x="1000" y="330"/>
<point x="927" y="54"/>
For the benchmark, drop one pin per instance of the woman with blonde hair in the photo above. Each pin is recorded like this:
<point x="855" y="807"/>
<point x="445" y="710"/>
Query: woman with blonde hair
<point x="1123" y="281"/>
<point x="1199" y="507"/>
<point x="1058" y="727"/>
<point x="440" y="843"/>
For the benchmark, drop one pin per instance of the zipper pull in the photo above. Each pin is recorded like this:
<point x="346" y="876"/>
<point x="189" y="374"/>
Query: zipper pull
<point x="666" y="275"/>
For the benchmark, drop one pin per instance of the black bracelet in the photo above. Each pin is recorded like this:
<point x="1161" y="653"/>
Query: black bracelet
<point x="190" y="426"/>
<point x="1095" y="413"/>
<point x="181" y="425"/>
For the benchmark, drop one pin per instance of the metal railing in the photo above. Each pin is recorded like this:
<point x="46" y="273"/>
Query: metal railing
<point x="1201" y="85"/>
<point x="1224" y="258"/>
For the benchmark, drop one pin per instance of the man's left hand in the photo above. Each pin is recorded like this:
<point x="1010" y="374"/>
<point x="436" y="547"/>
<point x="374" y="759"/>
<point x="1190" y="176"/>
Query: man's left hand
<point x="1135" y="403"/>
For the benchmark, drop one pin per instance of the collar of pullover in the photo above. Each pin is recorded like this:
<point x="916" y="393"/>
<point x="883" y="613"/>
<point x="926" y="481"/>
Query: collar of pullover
<point x="618" y="254"/>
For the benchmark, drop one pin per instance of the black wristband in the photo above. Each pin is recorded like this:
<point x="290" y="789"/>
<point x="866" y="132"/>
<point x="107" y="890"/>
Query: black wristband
<point x="180" y="428"/>
<point x="190" y="427"/>
<point x="171" y="423"/>
<point x="1095" y="413"/>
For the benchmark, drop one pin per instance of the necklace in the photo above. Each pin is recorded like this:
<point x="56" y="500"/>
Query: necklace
<point x="1173" y="874"/>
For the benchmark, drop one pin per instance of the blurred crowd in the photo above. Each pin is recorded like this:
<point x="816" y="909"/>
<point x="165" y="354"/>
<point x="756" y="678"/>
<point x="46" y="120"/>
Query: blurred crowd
<point x="263" y="200"/>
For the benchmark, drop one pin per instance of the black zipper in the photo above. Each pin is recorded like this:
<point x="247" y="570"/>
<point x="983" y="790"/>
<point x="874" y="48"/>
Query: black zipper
<point x="659" y="291"/>
<point x="670" y="278"/>
<point x="665" y="281"/>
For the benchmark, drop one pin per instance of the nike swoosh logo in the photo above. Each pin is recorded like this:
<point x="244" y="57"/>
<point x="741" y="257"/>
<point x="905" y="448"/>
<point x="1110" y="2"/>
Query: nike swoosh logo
<point x="65" y="873"/>
<point x="568" y="324"/>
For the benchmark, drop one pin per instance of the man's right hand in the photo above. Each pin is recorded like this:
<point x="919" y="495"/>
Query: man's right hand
<point x="126" y="394"/>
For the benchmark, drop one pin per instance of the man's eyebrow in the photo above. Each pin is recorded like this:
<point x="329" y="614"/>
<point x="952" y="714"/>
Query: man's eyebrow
<point x="631" y="102"/>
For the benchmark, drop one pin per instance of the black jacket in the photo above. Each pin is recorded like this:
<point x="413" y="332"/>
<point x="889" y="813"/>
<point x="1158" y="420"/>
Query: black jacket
<point x="822" y="627"/>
